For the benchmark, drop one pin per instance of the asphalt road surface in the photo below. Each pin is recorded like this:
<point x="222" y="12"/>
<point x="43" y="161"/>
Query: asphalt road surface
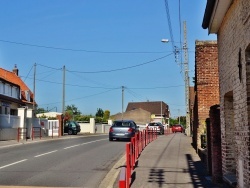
<point x="81" y="161"/>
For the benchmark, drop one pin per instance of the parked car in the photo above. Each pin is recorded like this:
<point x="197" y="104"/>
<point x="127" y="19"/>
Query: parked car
<point x="122" y="129"/>
<point x="156" y="126"/>
<point x="177" y="128"/>
<point x="72" y="127"/>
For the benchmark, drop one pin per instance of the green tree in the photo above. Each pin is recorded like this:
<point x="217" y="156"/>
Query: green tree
<point x="72" y="112"/>
<point x="182" y="120"/>
<point x="106" y="115"/>
<point x="40" y="110"/>
<point x="73" y="109"/>
<point x="99" y="113"/>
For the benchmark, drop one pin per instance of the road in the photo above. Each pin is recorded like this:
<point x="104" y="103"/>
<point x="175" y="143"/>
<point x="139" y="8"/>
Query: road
<point x="81" y="161"/>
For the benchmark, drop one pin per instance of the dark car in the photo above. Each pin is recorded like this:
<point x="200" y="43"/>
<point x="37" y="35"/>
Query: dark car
<point x="72" y="127"/>
<point x="177" y="128"/>
<point x="156" y="126"/>
<point x="122" y="129"/>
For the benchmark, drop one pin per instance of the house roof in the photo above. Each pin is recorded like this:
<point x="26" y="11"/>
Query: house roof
<point x="13" y="78"/>
<point x="156" y="107"/>
<point x="214" y="14"/>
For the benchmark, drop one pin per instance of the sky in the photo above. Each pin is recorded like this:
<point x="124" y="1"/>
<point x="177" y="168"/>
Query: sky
<point x="104" y="46"/>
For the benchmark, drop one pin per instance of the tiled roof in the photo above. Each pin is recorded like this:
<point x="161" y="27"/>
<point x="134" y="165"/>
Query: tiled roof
<point x="13" y="78"/>
<point x="153" y="107"/>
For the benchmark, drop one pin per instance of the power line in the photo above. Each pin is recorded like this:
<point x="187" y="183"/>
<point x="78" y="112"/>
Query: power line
<point x="169" y="25"/>
<point x="79" y="98"/>
<point x="134" y="94"/>
<point x="79" y="50"/>
<point x="124" y="68"/>
<point x="112" y="70"/>
<point x="159" y="87"/>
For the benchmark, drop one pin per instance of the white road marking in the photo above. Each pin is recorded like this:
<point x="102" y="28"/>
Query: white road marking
<point x="72" y="146"/>
<point x="85" y="143"/>
<point x="13" y="163"/>
<point x="46" y="153"/>
<point x="93" y="141"/>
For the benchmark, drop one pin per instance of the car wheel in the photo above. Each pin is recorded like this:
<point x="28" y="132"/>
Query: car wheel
<point x="70" y="132"/>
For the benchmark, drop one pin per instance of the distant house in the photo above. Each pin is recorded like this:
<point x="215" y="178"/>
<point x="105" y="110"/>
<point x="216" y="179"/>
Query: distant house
<point x="140" y="116"/>
<point x="49" y="114"/>
<point x="158" y="109"/>
<point x="14" y="93"/>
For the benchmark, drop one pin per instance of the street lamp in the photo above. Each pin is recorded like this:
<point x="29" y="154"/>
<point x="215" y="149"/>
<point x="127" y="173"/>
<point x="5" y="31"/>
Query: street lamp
<point x="165" y="40"/>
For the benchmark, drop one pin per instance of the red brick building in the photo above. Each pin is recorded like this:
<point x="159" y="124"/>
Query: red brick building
<point x="206" y="86"/>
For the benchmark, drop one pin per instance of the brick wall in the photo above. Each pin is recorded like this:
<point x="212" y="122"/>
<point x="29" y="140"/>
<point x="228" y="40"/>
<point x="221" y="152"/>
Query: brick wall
<point x="215" y="137"/>
<point x="234" y="46"/>
<point x="206" y="84"/>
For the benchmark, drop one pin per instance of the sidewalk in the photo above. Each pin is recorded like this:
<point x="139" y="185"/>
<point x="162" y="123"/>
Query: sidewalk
<point x="170" y="161"/>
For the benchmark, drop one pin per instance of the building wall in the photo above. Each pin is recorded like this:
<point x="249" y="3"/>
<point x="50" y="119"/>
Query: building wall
<point x="206" y="85"/>
<point x="215" y="144"/>
<point x="233" y="46"/>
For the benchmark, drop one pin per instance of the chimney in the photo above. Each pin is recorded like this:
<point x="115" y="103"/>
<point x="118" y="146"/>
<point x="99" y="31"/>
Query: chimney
<point x="15" y="70"/>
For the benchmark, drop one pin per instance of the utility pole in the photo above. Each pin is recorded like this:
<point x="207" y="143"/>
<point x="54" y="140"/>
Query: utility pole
<point x="179" y="118"/>
<point x="186" y="67"/>
<point x="34" y="86"/>
<point x="122" y="100"/>
<point x="63" y="92"/>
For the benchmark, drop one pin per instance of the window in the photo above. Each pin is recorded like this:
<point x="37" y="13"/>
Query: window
<point x="14" y="92"/>
<point x="1" y="88"/>
<point x="7" y="90"/>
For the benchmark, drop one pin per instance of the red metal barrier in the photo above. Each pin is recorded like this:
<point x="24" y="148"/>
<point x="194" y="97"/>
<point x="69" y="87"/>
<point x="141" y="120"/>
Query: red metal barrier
<point x="133" y="152"/>
<point x="36" y="131"/>
<point x="22" y="132"/>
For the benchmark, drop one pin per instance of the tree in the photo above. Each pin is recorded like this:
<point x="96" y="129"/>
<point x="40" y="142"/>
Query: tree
<point x="106" y="115"/>
<point x="73" y="109"/>
<point x="99" y="113"/>
<point x="40" y="110"/>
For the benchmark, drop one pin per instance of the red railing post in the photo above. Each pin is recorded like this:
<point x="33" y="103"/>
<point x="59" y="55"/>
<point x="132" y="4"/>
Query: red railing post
<point x="32" y="133"/>
<point x="18" y="134"/>
<point x="52" y="131"/>
<point x="128" y="164"/>
<point x="40" y="133"/>
<point x="26" y="135"/>
<point x="133" y="152"/>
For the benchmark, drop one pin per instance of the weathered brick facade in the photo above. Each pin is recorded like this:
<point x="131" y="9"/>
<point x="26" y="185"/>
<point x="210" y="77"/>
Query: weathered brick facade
<point x="234" y="72"/>
<point x="233" y="42"/>
<point x="206" y="86"/>
<point x="215" y="144"/>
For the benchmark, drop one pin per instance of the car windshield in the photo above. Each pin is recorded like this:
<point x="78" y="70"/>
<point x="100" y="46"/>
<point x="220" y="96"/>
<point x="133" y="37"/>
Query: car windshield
<point x="121" y="124"/>
<point x="153" y="124"/>
<point x="177" y="125"/>
<point x="73" y="124"/>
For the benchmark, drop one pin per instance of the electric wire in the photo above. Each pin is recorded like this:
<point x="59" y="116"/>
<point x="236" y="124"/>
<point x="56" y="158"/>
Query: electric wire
<point x="134" y="94"/>
<point x="169" y="25"/>
<point x="84" y="97"/>
<point x="89" y="80"/>
<point x="111" y="70"/>
<point x="119" y="69"/>
<point x="80" y="50"/>
<point x="28" y="73"/>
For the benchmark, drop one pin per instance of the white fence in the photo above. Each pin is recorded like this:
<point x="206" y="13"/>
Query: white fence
<point x="9" y="121"/>
<point x="9" y="125"/>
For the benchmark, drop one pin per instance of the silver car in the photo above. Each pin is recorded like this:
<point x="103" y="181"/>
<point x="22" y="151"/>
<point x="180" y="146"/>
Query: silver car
<point x="122" y="129"/>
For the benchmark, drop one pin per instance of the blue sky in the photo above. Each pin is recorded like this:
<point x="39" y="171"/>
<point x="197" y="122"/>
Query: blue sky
<point x="103" y="45"/>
